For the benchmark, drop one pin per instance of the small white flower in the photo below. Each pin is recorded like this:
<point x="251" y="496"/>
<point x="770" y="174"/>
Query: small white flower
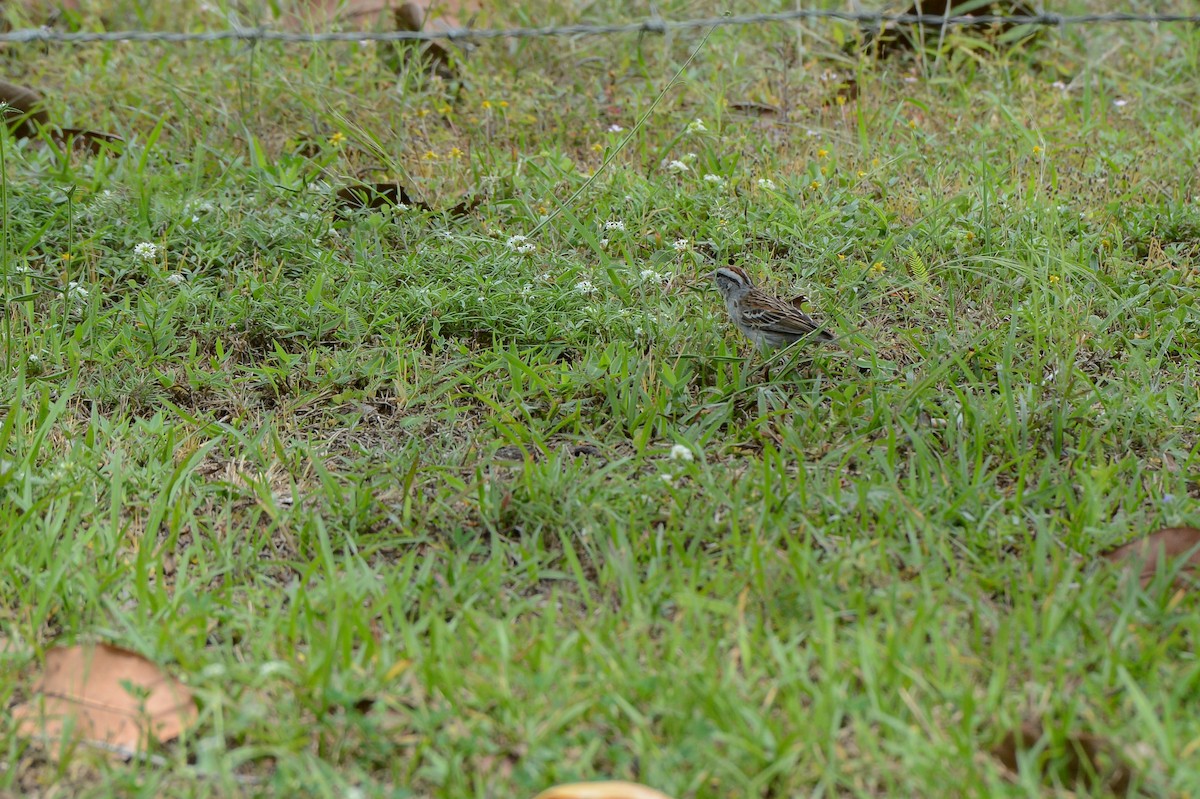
<point x="910" y="79"/>
<point x="481" y="300"/>
<point x="681" y="244"/>
<point x="1058" y="84"/>
<point x="448" y="236"/>
<point x="614" y="224"/>
<point x="527" y="289"/>
<point x="585" y="287"/>
<point x="604" y="244"/>
<point x="34" y="358"/>
<point x="22" y="270"/>
<point x="689" y="157"/>
<point x="526" y="248"/>
<point x="544" y="277"/>
<point x="651" y="275"/>
<point x="615" y="128"/>
<point x="666" y="478"/>
<point x="680" y="452"/>
<point x="766" y="183"/>
<point x="76" y="292"/>
<point x="696" y="126"/>
<point x="175" y="278"/>
<point x="1119" y="103"/>
<point x="716" y="180"/>
<point x="811" y="132"/>
<point x="146" y="250"/>
<point x="195" y="219"/>
<point x="401" y="206"/>
<point x="637" y="331"/>
<point x="678" y="166"/>
<point x="515" y="241"/>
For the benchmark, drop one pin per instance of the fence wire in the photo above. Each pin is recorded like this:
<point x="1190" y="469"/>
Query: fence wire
<point x="654" y="25"/>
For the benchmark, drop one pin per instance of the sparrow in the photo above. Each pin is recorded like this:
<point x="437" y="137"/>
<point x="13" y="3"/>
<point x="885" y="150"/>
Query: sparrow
<point x="766" y="320"/>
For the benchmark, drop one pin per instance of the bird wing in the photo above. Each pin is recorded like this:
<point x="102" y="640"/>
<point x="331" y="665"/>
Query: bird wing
<point x="773" y="315"/>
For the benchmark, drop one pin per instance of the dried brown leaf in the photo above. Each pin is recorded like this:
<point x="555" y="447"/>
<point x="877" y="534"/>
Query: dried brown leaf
<point x="25" y="109"/>
<point x="1082" y="760"/>
<point x="382" y="195"/>
<point x="91" y="140"/>
<point x="613" y="789"/>
<point x="374" y="195"/>
<point x="1146" y="556"/>
<point x="759" y="109"/>
<point x="107" y="695"/>
<point x="896" y="38"/>
<point x="409" y="17"/>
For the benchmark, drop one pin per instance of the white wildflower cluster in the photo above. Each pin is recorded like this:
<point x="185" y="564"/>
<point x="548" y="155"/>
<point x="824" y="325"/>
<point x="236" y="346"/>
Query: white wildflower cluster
<point x="146" y="250"/>
<point x="678" y="166"/>
<point x="76" y="292"/>
<point x="766" y="183"/>
<point x="176" y="279"/>
<point x="614" y="128"/>
<point x="681" y="244"/>
<point x="681" y="452"/>
<point x="716" y="180"/>
<point x="585" y="287"/>
<point x="520" y="244"/>
<point x="615" y="224"/>
<point x="696" y="126"/>
<point x="650" y="276"/>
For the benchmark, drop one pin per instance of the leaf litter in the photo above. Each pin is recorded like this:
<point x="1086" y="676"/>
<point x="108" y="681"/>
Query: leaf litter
<point x="105" y="695"/>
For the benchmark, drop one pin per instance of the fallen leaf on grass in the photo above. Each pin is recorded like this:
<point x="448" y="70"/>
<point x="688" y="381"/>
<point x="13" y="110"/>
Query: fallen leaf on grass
<point x="91" y="140"/>
<point x="26" y="116"/>
<point x="1146" y="556"/>
<point x="895" y="38"/>
<point x="375" y="195"/>
<point x="613" y="789"/>
<point x="383" y="195"/>
<point x="1084" y="759"/>
<point x="107" y="695"/>
<point x="432" y="54"/>
<point x="25" y="109"/>
<point x="752" y="107"/>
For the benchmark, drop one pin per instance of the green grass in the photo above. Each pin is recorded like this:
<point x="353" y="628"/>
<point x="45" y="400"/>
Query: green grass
<point x="399" y="502"/>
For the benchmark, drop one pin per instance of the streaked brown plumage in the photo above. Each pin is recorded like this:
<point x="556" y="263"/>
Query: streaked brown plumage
<point x="766" y="320"/>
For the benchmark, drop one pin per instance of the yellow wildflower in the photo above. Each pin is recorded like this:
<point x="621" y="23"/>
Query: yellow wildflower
<point x="336" y="139"/>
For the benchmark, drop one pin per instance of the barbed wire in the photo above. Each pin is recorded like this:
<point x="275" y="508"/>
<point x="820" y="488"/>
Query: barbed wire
<point x="654" y="24"/>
